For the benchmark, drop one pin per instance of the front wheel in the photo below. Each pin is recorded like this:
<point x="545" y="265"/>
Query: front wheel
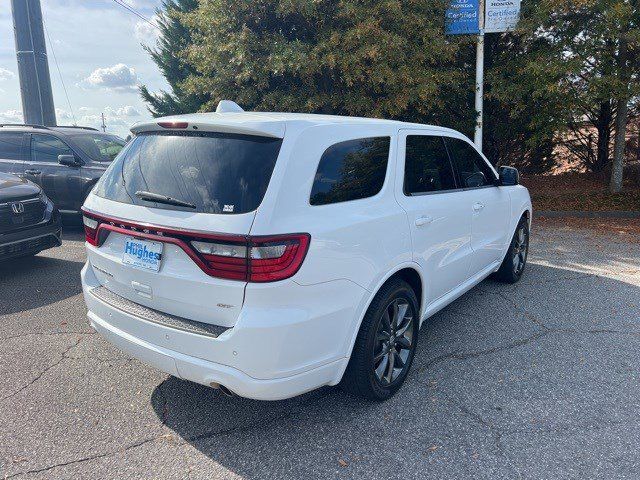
<point x="385" y="345"/>
<point x="516" y="258"/>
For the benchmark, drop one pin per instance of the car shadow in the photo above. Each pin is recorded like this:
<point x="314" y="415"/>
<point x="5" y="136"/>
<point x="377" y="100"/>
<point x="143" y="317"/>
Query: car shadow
<point x="32" y="282"/>
<point x="322" y="433"/>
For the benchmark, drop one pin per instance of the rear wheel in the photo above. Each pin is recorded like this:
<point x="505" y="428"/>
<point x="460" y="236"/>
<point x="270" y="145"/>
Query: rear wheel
<point x="386" y="343"/>
<point x="516" y="258"/>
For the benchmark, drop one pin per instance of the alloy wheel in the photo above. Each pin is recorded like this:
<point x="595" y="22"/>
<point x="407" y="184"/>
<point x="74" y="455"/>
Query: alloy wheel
<point x="520" y="248"/>
<point x="394" y="341"/>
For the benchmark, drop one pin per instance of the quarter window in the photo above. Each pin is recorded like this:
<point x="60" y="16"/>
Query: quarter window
<point x="46" y="148"/>
<point x="427" y="166"/>
<point x="11" y="146"/>
<point x="473" y="171"/>
<point x="351" y="170"/>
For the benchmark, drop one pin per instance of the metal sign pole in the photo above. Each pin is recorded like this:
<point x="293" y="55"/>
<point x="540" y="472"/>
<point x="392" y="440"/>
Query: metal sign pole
<point x="477" y="138"/>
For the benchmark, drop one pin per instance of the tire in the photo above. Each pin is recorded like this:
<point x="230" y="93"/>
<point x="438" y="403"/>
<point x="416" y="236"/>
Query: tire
<point x="509" y="271"/>
<point x="375" y="346"/>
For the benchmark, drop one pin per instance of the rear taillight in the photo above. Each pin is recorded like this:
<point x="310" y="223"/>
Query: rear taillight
<point x="265" y="258"/>
<point x="255" y="259"/>
<point x="225" y="260"/>
<point x="276" y="257"/>
<point x="90" y="230"/>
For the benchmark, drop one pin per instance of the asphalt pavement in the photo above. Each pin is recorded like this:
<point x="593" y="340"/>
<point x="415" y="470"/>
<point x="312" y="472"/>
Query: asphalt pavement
<point x="535" y="380"/>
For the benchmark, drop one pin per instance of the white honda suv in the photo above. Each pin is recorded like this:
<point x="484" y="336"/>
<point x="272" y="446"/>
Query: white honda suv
<point x="269" y="254"/>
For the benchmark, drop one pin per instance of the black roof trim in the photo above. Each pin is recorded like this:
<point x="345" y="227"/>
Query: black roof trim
<point x="24" y="125"/>
<point x="33" y="125"/>
<point x="77" y="126"/>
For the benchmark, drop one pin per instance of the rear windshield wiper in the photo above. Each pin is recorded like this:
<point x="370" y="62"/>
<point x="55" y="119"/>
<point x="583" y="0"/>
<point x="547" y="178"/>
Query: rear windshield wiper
<point x="156" y="197"/>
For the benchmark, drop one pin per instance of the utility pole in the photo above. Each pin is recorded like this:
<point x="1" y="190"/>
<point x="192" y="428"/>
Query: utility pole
<point x="33" y="68"/>
<point x="477" y="137"/>
<point x="103" y="126"/>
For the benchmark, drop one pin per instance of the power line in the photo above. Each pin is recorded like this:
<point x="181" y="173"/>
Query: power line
<point x="135" y="12"/>
<point x="55" y="59"/>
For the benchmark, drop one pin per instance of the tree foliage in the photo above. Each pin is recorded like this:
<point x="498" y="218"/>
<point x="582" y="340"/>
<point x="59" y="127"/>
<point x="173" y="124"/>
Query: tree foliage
<point x="577" y="58"/>
<point x="376" y="58"/>
<point x="390" y="58"/>
<point x="174" y="38"/>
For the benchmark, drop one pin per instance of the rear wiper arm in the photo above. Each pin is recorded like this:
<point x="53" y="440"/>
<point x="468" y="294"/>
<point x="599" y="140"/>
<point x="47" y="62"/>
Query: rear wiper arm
<point x="157" y="197"/>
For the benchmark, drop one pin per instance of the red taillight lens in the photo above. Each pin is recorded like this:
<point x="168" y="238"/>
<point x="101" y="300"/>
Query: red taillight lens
<point x="90" y="230"/>
<point x="276" y="257"/>
<point x="257" y="259"/>
<point x="225" y="260"/>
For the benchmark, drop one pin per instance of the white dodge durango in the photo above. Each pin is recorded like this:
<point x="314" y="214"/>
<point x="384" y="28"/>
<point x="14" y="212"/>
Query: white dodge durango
<point x="269" y="254"/>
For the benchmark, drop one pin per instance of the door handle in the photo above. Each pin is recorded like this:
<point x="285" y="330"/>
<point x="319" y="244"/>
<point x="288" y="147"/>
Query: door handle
<point x="33" y="172"/>
<point x="477" y="206"/>
<point x="422" y="221"/>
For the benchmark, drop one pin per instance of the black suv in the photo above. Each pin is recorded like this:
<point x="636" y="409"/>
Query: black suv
<point x="65" y="161"/>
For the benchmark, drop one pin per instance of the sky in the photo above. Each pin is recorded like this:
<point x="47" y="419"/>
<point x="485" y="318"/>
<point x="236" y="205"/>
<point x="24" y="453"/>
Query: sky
<point x="98" y="46"/>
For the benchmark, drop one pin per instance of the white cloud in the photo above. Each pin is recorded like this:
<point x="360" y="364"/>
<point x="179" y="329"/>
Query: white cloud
<point x="85" y="109"/>
<point x="126" y="111"/>
<point x="147" y="33"/>
<point x="6" y="74"/>
<point x="62" y="114"/>
<point x="11" y="116"/>
<point x="119" y="78"/>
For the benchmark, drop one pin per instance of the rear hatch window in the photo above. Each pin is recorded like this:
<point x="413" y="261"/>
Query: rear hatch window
<point x="217" y="173"/>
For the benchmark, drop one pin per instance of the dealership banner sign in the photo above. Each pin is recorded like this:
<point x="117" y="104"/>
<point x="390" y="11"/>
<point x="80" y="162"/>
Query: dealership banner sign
<point x="462" y="17"/>
<point x="501" y="15"/>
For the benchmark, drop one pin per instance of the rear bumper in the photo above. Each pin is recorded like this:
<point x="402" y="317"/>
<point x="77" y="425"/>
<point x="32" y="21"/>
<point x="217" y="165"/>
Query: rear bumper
<point x="207" y="373"/>
<point x="31" y="240"/>
<point x="273" y="352"/>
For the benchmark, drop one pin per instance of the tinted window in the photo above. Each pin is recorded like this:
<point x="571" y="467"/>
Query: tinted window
<point x="427" y="167"/>
<point x="11" y="146"/>
<point x="218" y="173"/>
<point x="351" y="170"/>
<point x="97" y="146"/>
<point x="45" y="148"/>
<point x="473" y="171"/>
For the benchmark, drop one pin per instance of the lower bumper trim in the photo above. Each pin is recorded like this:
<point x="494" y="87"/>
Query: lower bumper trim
<point x="154" y="316"/>
<point x="29" y="245"/>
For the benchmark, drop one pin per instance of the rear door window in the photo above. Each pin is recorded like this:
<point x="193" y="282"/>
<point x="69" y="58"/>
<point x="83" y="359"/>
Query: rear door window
<point x="98" y="146"/>
<point x="216" y="172"/>
<point x="427" y="167"/>
<point x="473" y="171"/>
<point x="11" y="146"/>
<point x="351" y="170"/>
<point x="46" y="148"/>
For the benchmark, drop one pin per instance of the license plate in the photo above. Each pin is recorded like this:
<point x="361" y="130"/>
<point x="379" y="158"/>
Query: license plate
<point x="142" y="253"/>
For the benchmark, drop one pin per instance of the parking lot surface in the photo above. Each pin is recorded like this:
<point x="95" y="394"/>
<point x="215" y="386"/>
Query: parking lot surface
<point x="535" y="380"/>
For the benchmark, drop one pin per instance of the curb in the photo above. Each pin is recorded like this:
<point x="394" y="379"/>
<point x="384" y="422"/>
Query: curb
<point x="579" y="214"/>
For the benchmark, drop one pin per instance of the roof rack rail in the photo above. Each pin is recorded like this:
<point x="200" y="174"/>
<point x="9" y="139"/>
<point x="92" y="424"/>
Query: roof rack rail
<point x="78" y="126"/>
<point x="32" y="125"/>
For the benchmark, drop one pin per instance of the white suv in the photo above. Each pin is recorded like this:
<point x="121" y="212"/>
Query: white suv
<point x="269" y="254"/>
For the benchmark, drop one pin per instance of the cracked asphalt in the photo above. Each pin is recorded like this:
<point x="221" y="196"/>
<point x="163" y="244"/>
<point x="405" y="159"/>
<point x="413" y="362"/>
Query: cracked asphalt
<point x="535" y="380"/>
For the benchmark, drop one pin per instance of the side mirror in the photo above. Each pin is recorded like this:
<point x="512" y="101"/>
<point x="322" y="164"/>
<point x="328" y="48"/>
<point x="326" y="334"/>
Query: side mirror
<point x="509" y="176"/>
<point x="68" y="160"/>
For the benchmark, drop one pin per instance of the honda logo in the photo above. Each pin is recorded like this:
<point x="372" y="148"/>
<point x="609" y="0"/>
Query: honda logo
<point x="17" y="207"/>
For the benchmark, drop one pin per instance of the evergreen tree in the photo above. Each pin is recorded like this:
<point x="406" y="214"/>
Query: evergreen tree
<point x="168" y="54"/>
<point x="375" y="58"/>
